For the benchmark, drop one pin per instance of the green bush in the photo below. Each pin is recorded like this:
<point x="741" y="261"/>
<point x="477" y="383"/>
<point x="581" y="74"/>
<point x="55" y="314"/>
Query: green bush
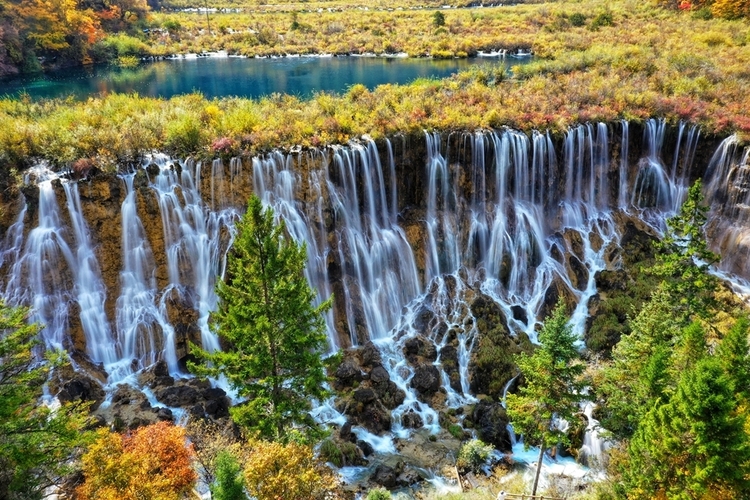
<point x="330" y="452"/>
<point x="379" y="494"/>
<point x="438" y="19"/>
<point x="229" y="483"/>
<point x="577" y="19"/>
<point x="184" y="135"/>
<point x="125" y="45"/>
<point x="602" y="19"/>
<point x="456" y="431"/>
<point x="473" y="455"/>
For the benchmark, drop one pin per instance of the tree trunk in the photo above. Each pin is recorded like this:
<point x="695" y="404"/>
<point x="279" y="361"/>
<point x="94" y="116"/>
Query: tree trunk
<point x="538" y="468"/>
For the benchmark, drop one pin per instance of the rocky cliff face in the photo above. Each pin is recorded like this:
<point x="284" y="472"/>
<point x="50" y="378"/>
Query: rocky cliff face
<point x="431" y="246"/>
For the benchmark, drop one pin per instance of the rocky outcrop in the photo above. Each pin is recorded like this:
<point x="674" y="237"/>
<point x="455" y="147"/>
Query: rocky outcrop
<point x="491" y="423"/>
<point x="369" y="394"/>
<point x="194" y="395"/>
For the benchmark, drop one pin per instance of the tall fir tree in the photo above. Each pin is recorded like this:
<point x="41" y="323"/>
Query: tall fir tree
<point x="695" y="445"/>
<point x="551" y="389"/>
<point x="276" y="337"/>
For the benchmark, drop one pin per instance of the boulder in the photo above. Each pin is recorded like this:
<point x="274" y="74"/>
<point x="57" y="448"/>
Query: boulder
<point x="375" y="418"/>
<point x="379" y="375"/>
<point x="364" y="395"/>
<point x="412" y="420"/>
<point x="385" y="476"/>
<point x="346" y="434"/>
<point x="178" y="396"/>
<point x="81" y="387"/>
<point x="366" y="448"/>
<point x="426" y="379"/>
<point x="449" y="360"/>
<point x="491" y="424"/>
<point x="347" y="373"/>
<point x="370" y="355"/>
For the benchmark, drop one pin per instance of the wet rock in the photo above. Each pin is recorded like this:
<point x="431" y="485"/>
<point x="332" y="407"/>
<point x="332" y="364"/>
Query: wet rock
<point x="156" y="376"/>
<point x="423" y="319"/>
<point x="370" y="355"/>
<point x="412" y="420"/>
<point x="491" y="424"/>
<point x="347" y="373"/>
<point x="366" y="448"/>
<point x="419" y="347"/>
<point x="637" y="242"/>
<point x="83" y="362"/>
<point x="574" y="242"/>
<point x="519" y="314"/>
<point x="577" y="273"/>
<point x="164" y="414"/>
<point x="390" y="394"/>
<point x="385" y="476"/>
<point x="449" y="360"/>
<point x="408" y="477"/>
<point x="179" y="395"/>
<point x="557" y="291"/>
<point x="181" y="303"/>
<point x="426" y="380"/>
<point x="129" y="409"/>
<point x="217" y="403"/>
<point x="364" y="395"/>
<point x="375" y="418"/>
<point x="379" y="375"/>
<point x="346" y="434"/>
<point x="81" y="387"/>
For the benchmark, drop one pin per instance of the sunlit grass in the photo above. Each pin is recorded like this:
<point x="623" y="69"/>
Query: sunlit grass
<point x="648" y="63"/>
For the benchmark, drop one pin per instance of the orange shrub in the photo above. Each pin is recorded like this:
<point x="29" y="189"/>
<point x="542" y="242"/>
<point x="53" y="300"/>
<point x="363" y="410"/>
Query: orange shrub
<point x="153" y="462"/>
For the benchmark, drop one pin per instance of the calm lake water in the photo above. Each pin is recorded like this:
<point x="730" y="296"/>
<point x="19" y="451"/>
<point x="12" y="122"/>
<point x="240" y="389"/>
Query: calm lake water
<point x="233" y="76"/>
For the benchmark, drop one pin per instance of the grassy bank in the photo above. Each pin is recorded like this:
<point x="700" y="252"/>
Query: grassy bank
<point x="630" y="61"/>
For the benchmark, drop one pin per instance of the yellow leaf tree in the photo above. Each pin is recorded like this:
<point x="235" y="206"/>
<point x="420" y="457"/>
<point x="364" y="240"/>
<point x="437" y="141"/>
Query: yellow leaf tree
<point x="154" y="462"/>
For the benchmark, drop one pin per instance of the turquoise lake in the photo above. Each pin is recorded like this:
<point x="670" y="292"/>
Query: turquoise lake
<point x="217" y="76"/>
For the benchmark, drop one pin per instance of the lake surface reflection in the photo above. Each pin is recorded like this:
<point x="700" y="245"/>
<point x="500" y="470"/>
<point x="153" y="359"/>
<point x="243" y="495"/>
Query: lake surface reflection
<point x="218" y="76"/>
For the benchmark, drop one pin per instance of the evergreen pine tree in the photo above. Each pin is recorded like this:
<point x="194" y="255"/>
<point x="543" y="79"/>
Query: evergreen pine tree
<point x="695" y="446"/>
<point x="275" y="336"/>
<point x="551" y="388"/>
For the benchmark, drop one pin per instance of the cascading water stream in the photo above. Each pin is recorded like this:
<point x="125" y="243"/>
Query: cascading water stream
<point x="40" y="277"/>
<point x="195" y="252"/>
<point x="89" y="289"/>
<point x="140" y="338"/>
<point x="513" y="223"/>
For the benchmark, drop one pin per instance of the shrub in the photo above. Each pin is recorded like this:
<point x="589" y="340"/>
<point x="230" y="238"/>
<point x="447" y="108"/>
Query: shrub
<point x="229" y="485"/>
<point x="602" y="19"/>
<point x="438" y="19"/>
<point x="153" y="462"/>
<point x="577" y="19"/>
<point x="473" y="455"/>
<point x="274" y="470"/>
<point x="379" y="494"/>
<point x="456" y="431"/>
<point x="330" y="452"/>
<point x="184" y="135"/>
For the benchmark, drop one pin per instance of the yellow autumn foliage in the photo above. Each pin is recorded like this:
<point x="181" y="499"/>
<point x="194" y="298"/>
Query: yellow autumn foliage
<point x="275" y="471"/>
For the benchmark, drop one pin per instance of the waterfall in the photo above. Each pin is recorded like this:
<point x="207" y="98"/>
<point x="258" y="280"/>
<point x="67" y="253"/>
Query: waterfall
<point x="193" y="235"/>
<point x="727" y="189"/>
<point x="513" y="219"/>
<point x="40" y="276"/>
<point x="140" y="337"/>
<point x="89" y="289"/>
